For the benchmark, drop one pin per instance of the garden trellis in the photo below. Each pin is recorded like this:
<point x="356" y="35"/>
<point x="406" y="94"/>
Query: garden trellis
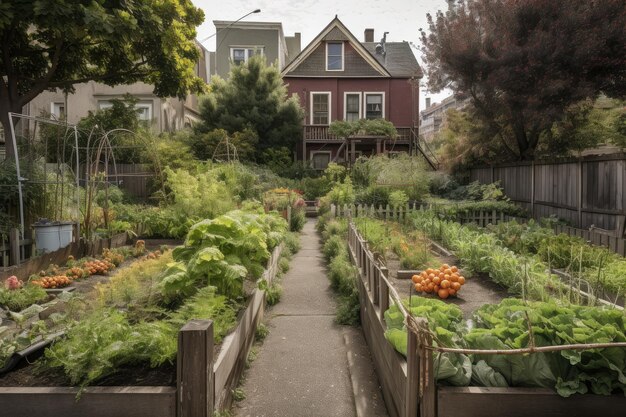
<point x="34" y="150"/>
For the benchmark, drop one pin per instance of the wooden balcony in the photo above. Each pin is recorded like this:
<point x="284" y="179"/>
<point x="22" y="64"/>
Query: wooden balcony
<point x="315" y="133"/>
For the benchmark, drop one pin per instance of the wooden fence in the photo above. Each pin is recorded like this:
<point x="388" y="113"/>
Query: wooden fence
<point x="408" y="384"/>
<point x="204" y="383"/>
<point x="482" y="218"/>
<point x="132" y="178"/>
<point x="584" y="192"/>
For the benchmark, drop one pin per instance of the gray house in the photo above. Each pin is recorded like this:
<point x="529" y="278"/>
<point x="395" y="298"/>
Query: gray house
<point x="237" y="42"/>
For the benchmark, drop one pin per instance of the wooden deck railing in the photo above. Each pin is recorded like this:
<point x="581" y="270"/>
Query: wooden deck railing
<point x="321" y="133"/>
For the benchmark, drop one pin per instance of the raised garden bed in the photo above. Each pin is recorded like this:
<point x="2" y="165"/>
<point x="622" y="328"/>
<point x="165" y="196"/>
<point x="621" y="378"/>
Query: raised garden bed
<point x="203" y="383"/>
<point x="408" y="383"/>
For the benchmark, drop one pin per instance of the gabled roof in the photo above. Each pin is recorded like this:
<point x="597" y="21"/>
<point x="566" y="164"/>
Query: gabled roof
<point x="399" y="59"/>
<point x="336" y="30"/>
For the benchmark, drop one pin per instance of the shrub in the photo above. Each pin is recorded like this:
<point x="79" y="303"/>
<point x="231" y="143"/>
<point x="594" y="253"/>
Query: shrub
<point x="292" y="242"/>
<point x="398" y="199"/>
<point x="298" y="219"/>
<point x="333" y="246"/>
<point x="342" y="193"/>
<point x="273" y="294"/>
<point x="374" y="195"/>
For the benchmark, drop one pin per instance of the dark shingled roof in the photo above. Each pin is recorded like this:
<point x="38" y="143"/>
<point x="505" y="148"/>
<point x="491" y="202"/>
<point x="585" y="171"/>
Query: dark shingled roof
<point x="400" y="61"/>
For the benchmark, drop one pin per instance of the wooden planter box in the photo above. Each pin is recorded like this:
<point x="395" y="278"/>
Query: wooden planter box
<point x="408" y="384"/>
<point x="76" y="249"/>
<point x="204" y="385"/>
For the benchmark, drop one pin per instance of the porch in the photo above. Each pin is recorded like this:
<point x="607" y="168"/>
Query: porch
<point x="320" y="146"/>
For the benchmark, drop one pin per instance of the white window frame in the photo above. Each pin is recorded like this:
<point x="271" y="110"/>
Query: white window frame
<point x="330" y="107"/>
<point x="313" y="153"/>
<point x="144" y="104"/>
<point x="52" y="109"/>
<point x="345" y="103"/>
<point x="365" y="94"/>
<point x="247" y="49"/>
<point x="343" y="56"/>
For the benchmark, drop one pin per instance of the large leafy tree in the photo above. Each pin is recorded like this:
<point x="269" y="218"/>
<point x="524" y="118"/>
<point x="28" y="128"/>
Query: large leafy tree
<point x="253" y="98"/>
<point x="49" y="44"/>
<point x="525" y="62"/>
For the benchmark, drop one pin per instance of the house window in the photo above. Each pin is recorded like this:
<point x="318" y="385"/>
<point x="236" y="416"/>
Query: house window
<point x="334" y="56"/>
<point x="320" y="108"/>
<point x="143" y="108"/>
<point x="320" y="160"/>
<point x="242" y="54"/>
<point x="374" y="106"/>
<point x="58" y="110"/>
<point x="353" y="107"/>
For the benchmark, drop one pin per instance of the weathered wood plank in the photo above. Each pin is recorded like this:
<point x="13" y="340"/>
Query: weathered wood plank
<point x="523" y="402"/>
<point x="195" y="369"/>
<point x="234" y="342"/>
<point x="93" y="402"/>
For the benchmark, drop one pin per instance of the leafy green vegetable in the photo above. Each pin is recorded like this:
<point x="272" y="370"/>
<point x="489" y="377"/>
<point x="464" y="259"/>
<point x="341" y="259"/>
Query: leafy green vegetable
<point x="17" y="300"/>
<point x="446" y="323"/>
<point x="107" y="339"/>
<point x="504" y="326"/>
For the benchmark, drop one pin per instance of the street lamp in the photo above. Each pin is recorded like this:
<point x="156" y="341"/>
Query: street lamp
<point x="232" y="23"/>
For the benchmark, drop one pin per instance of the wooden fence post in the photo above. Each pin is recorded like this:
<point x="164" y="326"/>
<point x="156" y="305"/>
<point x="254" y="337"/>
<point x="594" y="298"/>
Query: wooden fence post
<point x="14" y="247"/>
<point x="579" y="189"/>
<point x="195" y="382"/>
<point x="428" y="389"/>
<point x="376" y="277"/>
<point x="412" y="376"/>
<point x="333" y="211"/>
<point x="532" y="190"/>
<point x="383" y="297"/>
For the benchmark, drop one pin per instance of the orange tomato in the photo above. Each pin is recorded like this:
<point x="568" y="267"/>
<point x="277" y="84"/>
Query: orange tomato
<point x="451" y="291"/>
<point x="436" y="280"/>
<point x="454" y="278"/>
<point x="436" y="289"/>
<point x="443" y="293"/>
<point x="461" y="280"/>
<point x="456" y="286"/>
<point x="415" y="279"/>
<point x="445" y="284"/>
<point x="454" y="269"/>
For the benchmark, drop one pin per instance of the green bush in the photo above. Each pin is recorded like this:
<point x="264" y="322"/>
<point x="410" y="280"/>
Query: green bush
<point x="398" y="198"/>
<point x="17" y="300"/>
<point x="314" y="188"/>
<point x="374" y="195"/>
<point x="298" y="219"/>
<point x="333" y="246"/>
<point x="273" y="294"/>
<point x="342" y="274"/>
<point x="342" y="194"/>
<point x="292" y="242"/>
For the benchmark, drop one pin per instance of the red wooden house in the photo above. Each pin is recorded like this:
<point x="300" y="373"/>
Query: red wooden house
<point x="337" y="77"/>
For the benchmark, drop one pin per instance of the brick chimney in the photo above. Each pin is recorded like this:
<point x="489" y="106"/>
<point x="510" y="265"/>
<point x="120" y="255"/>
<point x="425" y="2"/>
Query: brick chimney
<point x="369" y="35"/>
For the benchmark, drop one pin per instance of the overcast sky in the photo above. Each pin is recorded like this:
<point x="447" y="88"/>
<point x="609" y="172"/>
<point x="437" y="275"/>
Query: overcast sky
<point x="401" y="18"/>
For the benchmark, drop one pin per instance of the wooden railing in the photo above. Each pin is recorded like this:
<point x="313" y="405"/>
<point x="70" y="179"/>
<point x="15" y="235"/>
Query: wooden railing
<point x="318" y="133"/>
<point x="315" y="132"/>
